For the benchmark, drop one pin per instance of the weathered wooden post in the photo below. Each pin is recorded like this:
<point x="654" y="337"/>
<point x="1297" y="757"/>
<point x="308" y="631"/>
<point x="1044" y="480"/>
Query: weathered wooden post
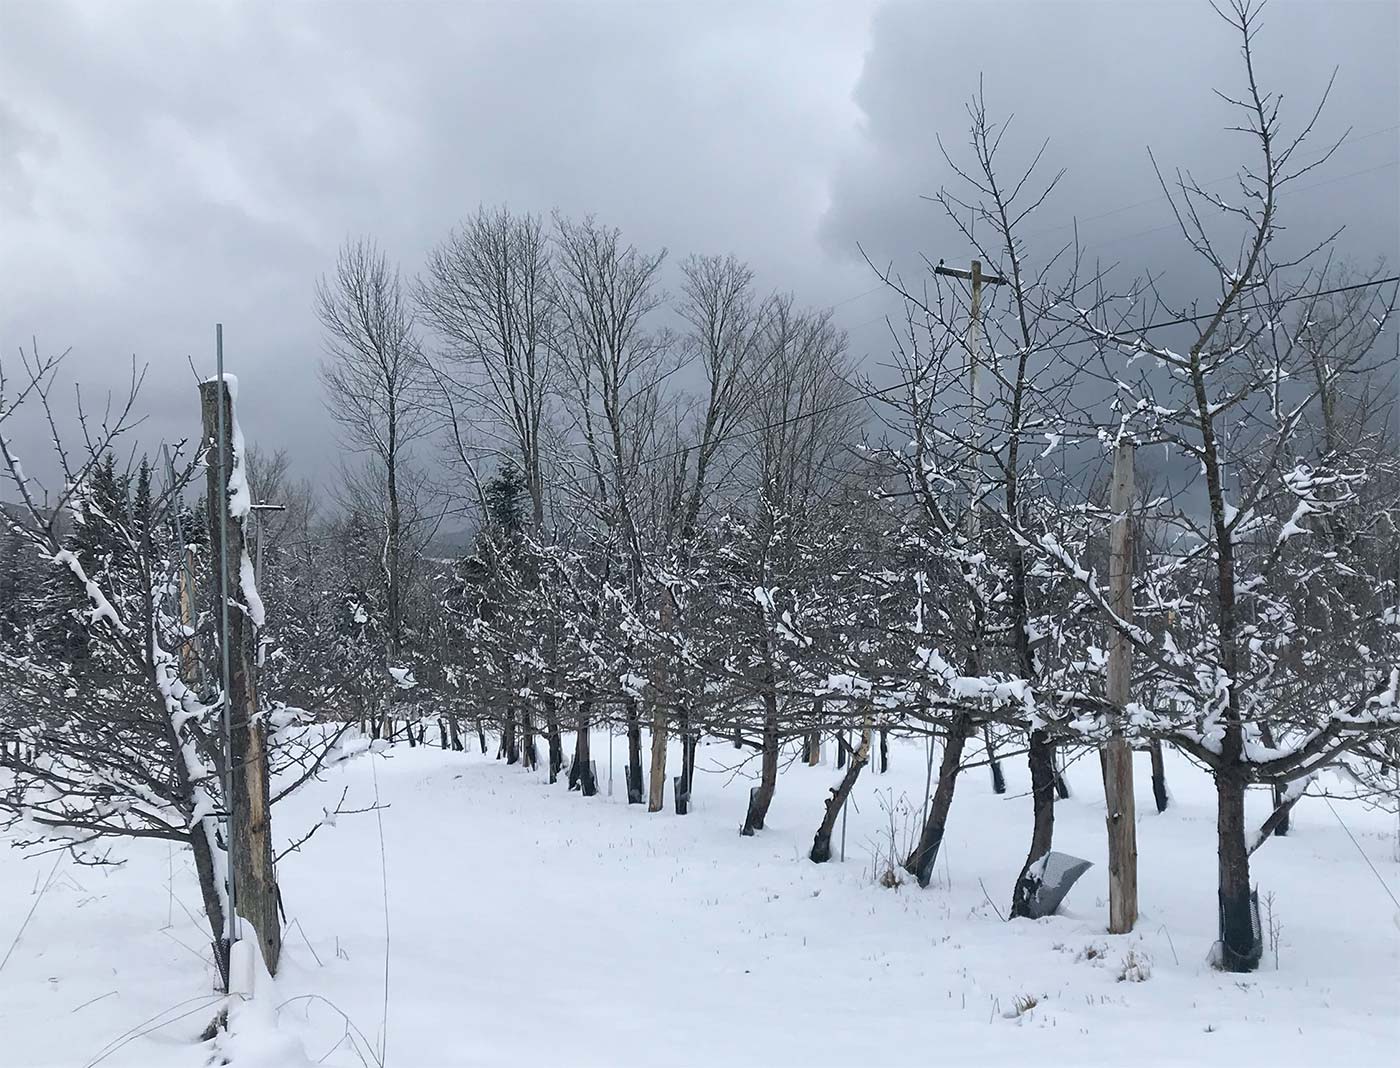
<point x="660" y="702"/>
<point x="248" y="798"/>
<point x="1117" y="754"/>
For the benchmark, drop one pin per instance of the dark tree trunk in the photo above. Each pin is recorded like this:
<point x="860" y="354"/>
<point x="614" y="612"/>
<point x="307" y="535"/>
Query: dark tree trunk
<point x="1042" y="763"/>
<point x="1061" y="783"/>
<point x="481" y="735"/>
<point x="1283" y="808"/>
<point x="1240" y="947"/>
<point x="921" y="861"/>
<point x="761" y="797"/>
<point x="884" y="750"/>
<point x="509" y="746"/>
<point x="687" y="777"/>
<point x="636" y="795"/>
<point x="581" y="771"/>
<point x="1281" y="828"/>
<point x="556" y="743"/>
<point x="209" y="891"/>
<point x="530" y="752"/>
<point x="841" y="747"/>
<point x="1159" y="778"/>
<point x="821" y="843"/>
<point x="454" y="732"/>
<point x="998" y="777"/>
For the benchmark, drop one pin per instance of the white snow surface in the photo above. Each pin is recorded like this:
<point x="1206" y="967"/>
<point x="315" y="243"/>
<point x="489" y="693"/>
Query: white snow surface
<point x="528" y="925"/>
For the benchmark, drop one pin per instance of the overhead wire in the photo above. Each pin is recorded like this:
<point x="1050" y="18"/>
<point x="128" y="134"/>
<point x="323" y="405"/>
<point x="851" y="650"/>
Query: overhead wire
<point x="879" y="394"/>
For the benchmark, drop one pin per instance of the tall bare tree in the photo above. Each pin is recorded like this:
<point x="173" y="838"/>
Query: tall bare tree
<point x="615" y="365"/>
<point x="374" y="375"/>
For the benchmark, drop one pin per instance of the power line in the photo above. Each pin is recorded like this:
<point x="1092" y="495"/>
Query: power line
<point x="1204" y="185"/>
<point x="1157" y="200"/>
<point x="879" y="394"/>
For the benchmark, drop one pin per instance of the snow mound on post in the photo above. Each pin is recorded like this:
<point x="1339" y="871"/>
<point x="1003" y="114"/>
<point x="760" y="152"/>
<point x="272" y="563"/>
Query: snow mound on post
<point x="253" y="1039"/>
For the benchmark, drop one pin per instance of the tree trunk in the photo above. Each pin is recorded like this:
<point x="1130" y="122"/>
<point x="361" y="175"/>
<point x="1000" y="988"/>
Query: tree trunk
<point x="530" y="752"/>
<point x="581" y="772"/>
<point x="920" y="862"/>
<point x="209" y="892"/>
<point x="821" y="843"/>
<point x="392" y="545"/>
<point x="884" y="749"/>
<point x="481" y="735"/>
<point x="1159" y="777"/>
<point x="509" y="747"/>
<point x="635" y="792"/>
<point x="1240" y="947"/>
<point x="556" y="743"/>
<point x="1283" y="808"/>
<point x="813" y="753"/>
<point x="1042" y="764"/>
<point x="688" y="741"/>
<point x="762" y="797"/>
<point x="998" y="777"/>
<point x="454" y="732"/>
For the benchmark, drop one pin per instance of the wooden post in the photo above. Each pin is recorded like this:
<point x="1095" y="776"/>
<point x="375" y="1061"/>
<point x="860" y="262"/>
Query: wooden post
<point x="1116" y="754"/>
<point x="659" y="703"/>
<point x="975" y="382"/>
<point x="189" y="659"/>
<point x="250" y="833"/>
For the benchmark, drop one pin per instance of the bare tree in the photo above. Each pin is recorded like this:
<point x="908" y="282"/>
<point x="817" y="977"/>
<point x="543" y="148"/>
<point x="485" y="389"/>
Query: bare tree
<point x="614" y="367"/>
<point x="374" y="376"/>
<point x="489" y="292"/>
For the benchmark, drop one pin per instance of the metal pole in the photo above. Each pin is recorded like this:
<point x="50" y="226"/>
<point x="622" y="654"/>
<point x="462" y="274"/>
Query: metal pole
<point x="231" y="920"/>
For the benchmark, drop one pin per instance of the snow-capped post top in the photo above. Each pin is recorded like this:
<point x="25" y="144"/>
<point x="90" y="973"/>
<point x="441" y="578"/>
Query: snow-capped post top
<point x="240" y="500"/>
<point x="240" y="497"/>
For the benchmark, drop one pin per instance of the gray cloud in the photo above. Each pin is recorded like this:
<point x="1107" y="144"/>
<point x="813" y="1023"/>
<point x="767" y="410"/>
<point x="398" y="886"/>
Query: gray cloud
<point x="1103" y="82"/>
<point x="163" y="167"/>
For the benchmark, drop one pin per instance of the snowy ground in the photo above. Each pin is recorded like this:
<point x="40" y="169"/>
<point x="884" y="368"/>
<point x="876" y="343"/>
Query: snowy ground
<point x="526" y="925"/>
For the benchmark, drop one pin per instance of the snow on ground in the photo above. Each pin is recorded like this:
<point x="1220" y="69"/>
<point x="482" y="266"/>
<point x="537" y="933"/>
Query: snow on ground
<point x="526" y="925"/>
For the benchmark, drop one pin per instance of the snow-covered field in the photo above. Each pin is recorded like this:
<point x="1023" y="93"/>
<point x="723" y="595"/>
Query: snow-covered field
<point x="526" y="925"/>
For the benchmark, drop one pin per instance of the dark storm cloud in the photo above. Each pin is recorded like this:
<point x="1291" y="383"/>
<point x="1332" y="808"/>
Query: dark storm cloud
<point x="165" y="166"/>
<point x="1103" y="81"/>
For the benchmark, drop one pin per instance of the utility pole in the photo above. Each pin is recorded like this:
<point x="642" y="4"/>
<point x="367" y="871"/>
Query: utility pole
<point x="975" y="383"/>
<point x="250" y="865"/>
<point x="1117" y="754"/>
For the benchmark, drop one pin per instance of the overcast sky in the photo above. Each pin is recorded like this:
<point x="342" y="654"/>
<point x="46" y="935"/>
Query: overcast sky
<point x="166" y="166"/>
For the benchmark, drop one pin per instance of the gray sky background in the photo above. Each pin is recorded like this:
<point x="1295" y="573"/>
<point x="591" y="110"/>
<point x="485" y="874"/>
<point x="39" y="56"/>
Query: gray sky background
<point x="167" y="165"/>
